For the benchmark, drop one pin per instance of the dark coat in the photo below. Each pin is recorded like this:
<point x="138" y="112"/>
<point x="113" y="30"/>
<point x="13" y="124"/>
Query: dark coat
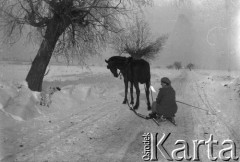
<point x="166" y="102"/>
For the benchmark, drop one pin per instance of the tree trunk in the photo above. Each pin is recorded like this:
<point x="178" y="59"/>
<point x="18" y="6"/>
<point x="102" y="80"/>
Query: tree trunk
<point x="39" y="65"/>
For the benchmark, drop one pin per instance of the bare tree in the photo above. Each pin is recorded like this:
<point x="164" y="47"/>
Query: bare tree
<point x="136" y="40"/>
<point x="70" y="27"/>
<point x="177" y="65"/>
<point x="190" y="66"/>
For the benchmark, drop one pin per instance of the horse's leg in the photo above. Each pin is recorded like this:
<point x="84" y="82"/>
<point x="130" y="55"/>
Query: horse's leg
<point x="126" y="91"/>
<point x="147" y="95"/>
<point x="131" y="92"/>
<point x="138" y="94"/>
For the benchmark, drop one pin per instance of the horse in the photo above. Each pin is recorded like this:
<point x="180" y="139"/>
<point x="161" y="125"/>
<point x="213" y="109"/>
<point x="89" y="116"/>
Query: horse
<point x="133" y="71"/>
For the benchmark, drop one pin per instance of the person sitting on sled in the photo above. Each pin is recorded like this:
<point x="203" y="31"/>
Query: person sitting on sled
<point x="165" y="106"/>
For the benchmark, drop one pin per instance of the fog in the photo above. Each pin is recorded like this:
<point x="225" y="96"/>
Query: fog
<point x="201" y="32"/>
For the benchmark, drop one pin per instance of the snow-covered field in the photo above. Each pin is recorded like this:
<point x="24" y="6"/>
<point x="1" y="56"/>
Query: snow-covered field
<point x="86" y="120"/>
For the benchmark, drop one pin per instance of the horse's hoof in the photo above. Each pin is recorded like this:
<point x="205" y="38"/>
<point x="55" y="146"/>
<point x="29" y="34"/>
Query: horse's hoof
<point x="149" y="108"/>
<point x="135" y="107"/>
<point x="124" y="102"/>
<point x="132" y="102"/>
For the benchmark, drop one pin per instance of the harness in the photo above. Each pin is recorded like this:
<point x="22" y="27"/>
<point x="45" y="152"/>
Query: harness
<point x="120" y="74"/>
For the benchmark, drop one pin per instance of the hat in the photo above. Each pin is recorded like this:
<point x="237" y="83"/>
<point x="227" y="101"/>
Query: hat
<point x="166" y="80"/>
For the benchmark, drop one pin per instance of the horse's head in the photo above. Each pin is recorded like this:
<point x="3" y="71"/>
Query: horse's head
<point x="115" y="63"/>
<point x="112" y="67"/>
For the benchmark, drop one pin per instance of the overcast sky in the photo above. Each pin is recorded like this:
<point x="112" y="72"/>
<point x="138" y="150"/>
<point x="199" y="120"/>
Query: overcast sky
<point x="203" y="32"/>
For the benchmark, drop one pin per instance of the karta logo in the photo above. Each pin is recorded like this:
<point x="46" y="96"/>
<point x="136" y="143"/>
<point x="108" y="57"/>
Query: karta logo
<point x="152" y="147"/>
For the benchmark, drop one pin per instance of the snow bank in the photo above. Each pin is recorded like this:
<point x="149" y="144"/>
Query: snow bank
<point x="73" y="95"/>
<point x="79" y="92"/>
<point x="236" y="82"/>
<point x="19" y="102"/>
<point x="235" y="85"/>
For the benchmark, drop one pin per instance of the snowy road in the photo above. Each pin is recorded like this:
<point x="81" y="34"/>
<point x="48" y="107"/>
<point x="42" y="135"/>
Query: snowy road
<point x="103" y="129"/>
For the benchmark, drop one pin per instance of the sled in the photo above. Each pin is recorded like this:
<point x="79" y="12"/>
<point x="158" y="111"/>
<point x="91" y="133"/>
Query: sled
<point x="158" y="122"/>
<point x="147" y="117"/>
<point x="174" y="123"/>
<point x="154" y="119"/>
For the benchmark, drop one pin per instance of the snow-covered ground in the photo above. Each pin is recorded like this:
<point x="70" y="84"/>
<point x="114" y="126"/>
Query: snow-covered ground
<point x="86" y="120"/>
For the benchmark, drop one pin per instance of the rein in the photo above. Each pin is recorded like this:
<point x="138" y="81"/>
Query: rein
<point x="136" y="113"/>
<point x="140" y="115"/>
<point x="182" y="103"/>
<point x="193" y="106"/>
